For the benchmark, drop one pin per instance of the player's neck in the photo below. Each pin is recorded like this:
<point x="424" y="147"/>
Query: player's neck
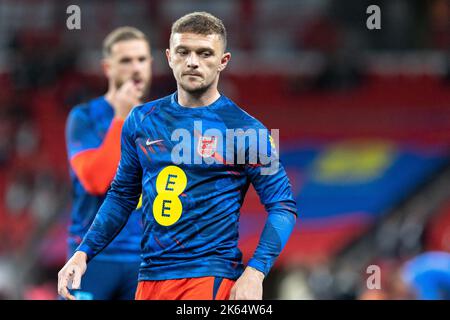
<point x="109" y="96"/>
<point x="190" y="100"/>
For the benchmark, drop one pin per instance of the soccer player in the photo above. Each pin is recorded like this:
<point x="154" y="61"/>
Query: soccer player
<point x="193" y="182"/>
<point x="428" y="275"/>
<point x="93" y="134"/>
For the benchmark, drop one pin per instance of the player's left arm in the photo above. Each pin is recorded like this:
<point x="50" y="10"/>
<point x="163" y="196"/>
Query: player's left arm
<point x="274" y="189"/>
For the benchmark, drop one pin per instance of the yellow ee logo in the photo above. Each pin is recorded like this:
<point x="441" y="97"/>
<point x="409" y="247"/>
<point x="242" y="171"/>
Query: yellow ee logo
<point x="139" y="205"/>
<point x="167" y="207"/>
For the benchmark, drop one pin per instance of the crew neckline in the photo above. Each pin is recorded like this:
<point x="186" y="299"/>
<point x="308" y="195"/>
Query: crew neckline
<point x="212" y="106"/>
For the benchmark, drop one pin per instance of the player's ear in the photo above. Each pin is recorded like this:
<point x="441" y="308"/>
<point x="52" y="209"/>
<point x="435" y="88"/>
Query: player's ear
<point x="224" y="61"/>
<point x="169" y="58"/>
<point x="106" y="66"/>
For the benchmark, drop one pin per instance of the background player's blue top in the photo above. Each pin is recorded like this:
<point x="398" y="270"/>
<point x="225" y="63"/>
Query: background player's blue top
<point x="86" y="128"/>
<point x="429" y="275"/>
<point x="191" y="211"/>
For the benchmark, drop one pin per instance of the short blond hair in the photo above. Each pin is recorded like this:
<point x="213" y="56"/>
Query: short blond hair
<point x="122" y="34"/>
<point x="200" y="22"/>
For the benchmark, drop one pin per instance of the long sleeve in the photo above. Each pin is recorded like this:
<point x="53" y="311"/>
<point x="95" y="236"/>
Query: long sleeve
<point x="94" y="166"/>
<point x="274" y="190"/>
<point x="121" y="199"/>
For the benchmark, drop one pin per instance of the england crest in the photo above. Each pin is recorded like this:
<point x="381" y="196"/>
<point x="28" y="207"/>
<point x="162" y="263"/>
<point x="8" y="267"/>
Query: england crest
<point x="207" y="146"/>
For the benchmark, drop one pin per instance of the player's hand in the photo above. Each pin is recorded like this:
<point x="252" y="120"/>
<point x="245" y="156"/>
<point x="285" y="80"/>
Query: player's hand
<point x="125" y="98"/>
<point x="69" y="277"/>
<point x="248" y="286"/>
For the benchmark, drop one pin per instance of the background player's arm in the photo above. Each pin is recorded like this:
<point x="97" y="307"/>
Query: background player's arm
<point x="112" y="216"/>
<point x="421" y="280"/>
<point x="426" y="288"/>
<point x="275" y="193"/>
<point x="95" y="166"/>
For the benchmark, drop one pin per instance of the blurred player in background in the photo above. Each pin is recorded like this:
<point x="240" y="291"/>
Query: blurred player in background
<point x="428" y="276"/>
<point x="423" y="277"/>
<point x="191" y="210"/>
<point x="93" y="133"/>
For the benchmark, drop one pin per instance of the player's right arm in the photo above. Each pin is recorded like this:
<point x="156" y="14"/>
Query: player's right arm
<point x="112" y="216"/>
<point x="70" y="275"/>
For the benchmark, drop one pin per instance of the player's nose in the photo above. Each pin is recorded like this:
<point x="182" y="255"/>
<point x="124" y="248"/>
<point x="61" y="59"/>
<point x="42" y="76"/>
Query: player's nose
<point x="137" y="66"/>
<point x="192" y="61"/>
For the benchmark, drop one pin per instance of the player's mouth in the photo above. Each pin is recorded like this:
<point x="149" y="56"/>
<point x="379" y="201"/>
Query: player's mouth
<point x="189" y="74"/>
<point x="139" y="83"/>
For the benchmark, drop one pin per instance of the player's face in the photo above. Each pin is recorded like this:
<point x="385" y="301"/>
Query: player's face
<point x="196" y="60"/>
<point x="130" y="59"/>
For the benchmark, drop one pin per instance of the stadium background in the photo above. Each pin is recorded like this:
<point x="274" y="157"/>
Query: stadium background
<point x="364" y="119"/>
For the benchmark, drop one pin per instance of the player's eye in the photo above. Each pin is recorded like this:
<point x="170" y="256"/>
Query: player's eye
<point x="142" y="59"/>
<point x="182" y="52"/>
<point x="206" y="54"/>
<point x="125" y="60"/>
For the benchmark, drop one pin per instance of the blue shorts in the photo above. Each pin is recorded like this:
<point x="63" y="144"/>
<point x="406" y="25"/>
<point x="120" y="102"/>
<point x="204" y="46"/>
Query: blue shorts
<point x="105" y="280"/>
